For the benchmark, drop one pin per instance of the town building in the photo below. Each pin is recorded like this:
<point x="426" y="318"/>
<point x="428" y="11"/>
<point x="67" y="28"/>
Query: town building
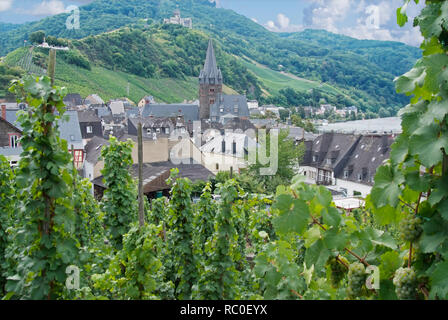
<point x="345" y="163"/>
<point x="90" y="125"/>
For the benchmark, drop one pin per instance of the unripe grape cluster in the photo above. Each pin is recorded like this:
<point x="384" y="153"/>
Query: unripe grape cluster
<point x="405" y="281"/>
<point x="356" y="279"/>
<point x="338" y="271"/>
<point x="410" y="228"/>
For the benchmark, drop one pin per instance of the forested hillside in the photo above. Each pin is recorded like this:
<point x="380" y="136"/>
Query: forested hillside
<point x="361" y="70"/>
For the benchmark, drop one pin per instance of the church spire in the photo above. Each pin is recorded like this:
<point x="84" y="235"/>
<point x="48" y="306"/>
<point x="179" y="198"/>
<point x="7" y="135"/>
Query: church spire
<point x="210" y="73"/>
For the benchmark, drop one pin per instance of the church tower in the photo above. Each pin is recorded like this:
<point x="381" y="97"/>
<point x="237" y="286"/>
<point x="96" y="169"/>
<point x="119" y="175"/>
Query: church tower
<point x="210" y="83"/>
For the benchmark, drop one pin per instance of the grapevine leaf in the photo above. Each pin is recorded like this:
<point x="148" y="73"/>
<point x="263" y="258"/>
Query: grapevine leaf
<point x="390" y="261"/>
<point x="331" y="217"/>
<point x="312" y="235"/>
<point x="400" y="149"/>
<point x="293" y="220"/>
<point x="387" y="186"/>
<point x="427" y="144"/>
<point x="334" y="239"/>
<point x="410" y="80"/>
<point x="439" y="281"/>
<point x="317" y="255"/>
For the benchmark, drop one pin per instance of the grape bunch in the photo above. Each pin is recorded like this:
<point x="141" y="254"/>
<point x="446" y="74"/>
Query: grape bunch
<point x="338" y="271"/>
<point x="405" y="281"/>
<point x="356" y="279"/>
<point x="410" y="228"/>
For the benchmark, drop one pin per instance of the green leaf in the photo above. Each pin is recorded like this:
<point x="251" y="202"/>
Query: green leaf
<point x="387" y="187"/>
<point x="410" y="80"/>
<point x="427" y="143"/>
<point x="334" y="239"/>
<point x="390" y="262"/>
<point x="293" y="220"/>
<point x="312" y="235"/>
<point x="439" y="281"/>
<point x="317" y="255"/>
<point x="331" y="217"/>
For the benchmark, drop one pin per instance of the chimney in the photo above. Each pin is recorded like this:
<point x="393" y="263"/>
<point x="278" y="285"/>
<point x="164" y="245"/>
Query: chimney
<point x="4" y="111"/>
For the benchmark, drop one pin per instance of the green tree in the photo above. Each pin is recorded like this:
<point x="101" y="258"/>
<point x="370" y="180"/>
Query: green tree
<point x="37" y="37"/>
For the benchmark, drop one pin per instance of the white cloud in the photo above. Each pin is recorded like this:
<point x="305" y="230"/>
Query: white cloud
<point x="282" y="24"/>
<point x="5" y="5"/>
<point x="362" y="19"/>
<point x="48" y="7"/>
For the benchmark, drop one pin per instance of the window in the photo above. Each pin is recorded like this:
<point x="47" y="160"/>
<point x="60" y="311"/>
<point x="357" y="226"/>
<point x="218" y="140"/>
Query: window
<point x="158" y="130"/>
<point x="167" y="130"/>
<point x="89" y="129"/>
<point x="212" y="101"/>
<point x="14" y="141"/>
<point x="315" y="158"/>
<point x="345" y="174"/>
<point x="217" y="166"/>
<point x="212" y="90"/>
<point x="359" y="177"/>
<point x="78" y="157"/>
<point x="221" y="110"/>
<point x="329" y="161"/>
<point x="148" y="131"/>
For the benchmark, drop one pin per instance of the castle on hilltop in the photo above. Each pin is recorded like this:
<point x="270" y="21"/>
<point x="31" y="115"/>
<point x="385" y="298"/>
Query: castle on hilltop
<point x="176" y="19"/>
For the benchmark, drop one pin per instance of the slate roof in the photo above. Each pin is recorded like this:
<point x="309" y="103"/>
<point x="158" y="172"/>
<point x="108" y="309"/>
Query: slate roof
<point x="88" y="116"/>
<point x="69" y="131"/>
<point x="370" y="153"/>
<point x="349" y="156"/>
<point x="234" y="105"/>
<point x="8" y="151"/>
<point x="93" y="99"/>
<point x="93" y="149"/>
<point x="117" y="107"/>
<point x="211" y="73"/>
<point x="152" y="171"/>
<point x="73" y="100"/>
<point x="190" y="112"/>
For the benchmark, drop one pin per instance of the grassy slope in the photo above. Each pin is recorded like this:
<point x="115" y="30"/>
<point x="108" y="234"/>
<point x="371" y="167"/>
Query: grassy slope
<point x="276" y="81"/>
<point x="113" y="84"/>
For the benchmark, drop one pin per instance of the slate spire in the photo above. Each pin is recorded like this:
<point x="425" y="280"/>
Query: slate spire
<point x="210" y="73"/>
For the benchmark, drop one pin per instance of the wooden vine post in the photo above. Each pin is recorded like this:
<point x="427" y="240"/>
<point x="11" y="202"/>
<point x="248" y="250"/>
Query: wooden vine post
<point x="141" y="213"/>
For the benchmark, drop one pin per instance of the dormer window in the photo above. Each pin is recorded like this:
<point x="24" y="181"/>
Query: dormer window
<point x="345" y="174"/>
<point x="315" y="158"/>
<point x="212" y="101"/>
<point x="212" y="90"/>
<point x="221" y="110"/>
<point x="148" y="131"/>
<point x="167" y="130"/>
<point x="158" y="130"/>
<point x="329" y="162"/>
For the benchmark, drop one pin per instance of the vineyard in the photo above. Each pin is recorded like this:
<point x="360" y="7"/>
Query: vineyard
<point x="58" y="242"/>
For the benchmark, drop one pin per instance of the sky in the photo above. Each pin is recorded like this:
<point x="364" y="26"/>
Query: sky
<point x="361" y="19"/>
